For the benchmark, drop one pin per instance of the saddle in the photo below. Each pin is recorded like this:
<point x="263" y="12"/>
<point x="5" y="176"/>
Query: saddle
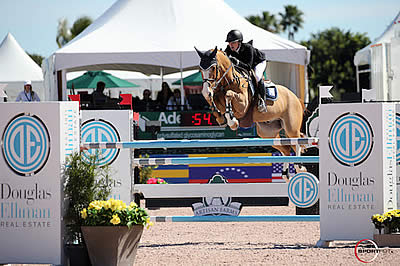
<point x="271" y="94"/>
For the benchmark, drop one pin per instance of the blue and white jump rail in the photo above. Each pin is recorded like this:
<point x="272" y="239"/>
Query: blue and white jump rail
<point x="211" y="190"/>
<point x="225" y="160"/>
<point x="240" y="218"/>
<point x="158" y="144"/>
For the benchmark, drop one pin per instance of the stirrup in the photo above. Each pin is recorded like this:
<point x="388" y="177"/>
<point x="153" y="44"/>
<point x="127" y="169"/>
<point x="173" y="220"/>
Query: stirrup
<point x="262" y="108"/>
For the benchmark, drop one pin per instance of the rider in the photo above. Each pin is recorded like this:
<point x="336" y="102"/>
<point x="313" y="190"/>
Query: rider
<point x="246" y="56"/>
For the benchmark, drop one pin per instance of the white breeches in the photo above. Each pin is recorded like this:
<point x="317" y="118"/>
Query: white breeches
<point x="259" y="70"/>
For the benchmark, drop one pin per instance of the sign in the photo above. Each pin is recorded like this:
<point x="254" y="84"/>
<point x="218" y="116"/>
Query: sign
<point x="188" y="125"/>
<point x="398" y="154"/>
<point x="357" y="172"/>
<point x="216" y="206"/>
<point x="111" y="126"/>
<point x="35" y="139"/>
<point x="303" y="190"/>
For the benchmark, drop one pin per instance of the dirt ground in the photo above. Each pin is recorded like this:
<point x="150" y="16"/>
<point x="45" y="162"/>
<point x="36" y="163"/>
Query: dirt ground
<point x="245" y="243"/>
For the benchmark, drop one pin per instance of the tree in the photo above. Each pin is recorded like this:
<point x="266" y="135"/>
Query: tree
<point x="332" y="53"/>
<point x="291" y="20"/>
<point x="79" y="25"/>
<point x="65" y="34"/>
<point x="37" y="58"/>
<point x="267" y="22"/>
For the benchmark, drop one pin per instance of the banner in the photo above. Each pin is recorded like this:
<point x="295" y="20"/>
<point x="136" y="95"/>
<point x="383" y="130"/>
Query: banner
<point x="36" y="137"/>
<point x="357" y="173"/>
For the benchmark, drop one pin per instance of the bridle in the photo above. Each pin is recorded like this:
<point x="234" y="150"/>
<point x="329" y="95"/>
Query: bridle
<point x="228" y="105"/>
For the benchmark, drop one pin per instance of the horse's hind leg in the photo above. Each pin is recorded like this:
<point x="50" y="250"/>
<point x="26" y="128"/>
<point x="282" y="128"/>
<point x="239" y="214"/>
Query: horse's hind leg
<point x="271" y="130"/>
<point x="292" y="127"/>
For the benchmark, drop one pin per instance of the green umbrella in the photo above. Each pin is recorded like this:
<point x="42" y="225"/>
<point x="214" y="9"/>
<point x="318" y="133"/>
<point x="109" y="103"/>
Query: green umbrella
<point x="90" y="79"/>
<point x="192" y="80"/>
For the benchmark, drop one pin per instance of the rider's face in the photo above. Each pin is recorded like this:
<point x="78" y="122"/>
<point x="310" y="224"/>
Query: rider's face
<point x="234" y="45"/>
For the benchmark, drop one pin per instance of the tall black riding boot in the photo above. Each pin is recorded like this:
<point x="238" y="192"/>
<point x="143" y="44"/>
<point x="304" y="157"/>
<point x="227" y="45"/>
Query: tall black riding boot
<point x="262" y="107"/>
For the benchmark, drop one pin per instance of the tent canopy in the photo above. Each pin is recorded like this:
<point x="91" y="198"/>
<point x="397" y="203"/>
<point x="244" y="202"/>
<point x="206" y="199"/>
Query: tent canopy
<point x="143" y="36"/>
<point x="91" y="78"/>
<point x="194" y="79"/>
<point x="15" y="64"/>
<point x="363" y="56"/>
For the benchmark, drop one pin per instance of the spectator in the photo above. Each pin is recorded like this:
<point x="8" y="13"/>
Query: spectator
<point x="163" y="96"/>
<point x="146" y="104"/>
<point x="28" y="95"/>
<point x="98" y="95"/>
<point x="174" y="102"/>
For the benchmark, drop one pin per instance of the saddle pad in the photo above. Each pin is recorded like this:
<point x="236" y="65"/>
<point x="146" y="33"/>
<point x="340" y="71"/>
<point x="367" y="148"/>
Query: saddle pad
<point x="271" y="92"/>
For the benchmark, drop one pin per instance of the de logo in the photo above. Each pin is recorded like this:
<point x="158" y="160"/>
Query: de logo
<point x="26" y="144"/>
<point x="98" y="130"/>
<point x="303" y="190"/>
<point x="351" y="139"/>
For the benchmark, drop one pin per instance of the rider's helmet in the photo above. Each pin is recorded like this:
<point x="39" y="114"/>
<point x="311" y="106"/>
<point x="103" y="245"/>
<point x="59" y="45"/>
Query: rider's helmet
<point x="234" y="35"/>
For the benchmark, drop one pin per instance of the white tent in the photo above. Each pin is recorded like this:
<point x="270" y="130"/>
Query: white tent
<point x="16" y="67"/>
<point x="363" y="56"/>
<point x="150" y="35"/>
<point x="378" y="64"/>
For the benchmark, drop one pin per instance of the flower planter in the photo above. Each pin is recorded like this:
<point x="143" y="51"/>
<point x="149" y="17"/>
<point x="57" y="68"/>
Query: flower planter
<point x="387" y="240"/>
<point x="112" y="245"/>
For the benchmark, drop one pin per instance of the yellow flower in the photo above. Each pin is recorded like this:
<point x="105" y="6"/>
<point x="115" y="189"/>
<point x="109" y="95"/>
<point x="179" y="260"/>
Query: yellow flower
<point x="149" y="223"/>
<point x="115" y="220"/>
<point x="84" y="213"/>
<point x="95" y="205"/>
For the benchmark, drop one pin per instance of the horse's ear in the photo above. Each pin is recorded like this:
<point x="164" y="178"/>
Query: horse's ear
<point x="214" y="52"/>
<point x="199" y="53"/>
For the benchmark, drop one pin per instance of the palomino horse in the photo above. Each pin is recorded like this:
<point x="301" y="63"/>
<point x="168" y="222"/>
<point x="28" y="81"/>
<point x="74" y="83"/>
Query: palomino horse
<point x="227" y="92"/>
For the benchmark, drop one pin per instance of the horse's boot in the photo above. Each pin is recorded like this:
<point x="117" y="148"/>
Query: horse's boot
<point x="262" y="107"/>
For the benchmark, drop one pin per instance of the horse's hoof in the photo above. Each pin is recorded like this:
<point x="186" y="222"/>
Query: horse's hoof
<point x="285" y="175"/>
<point x="235" y="126"/>
<point x="300" y="168"/>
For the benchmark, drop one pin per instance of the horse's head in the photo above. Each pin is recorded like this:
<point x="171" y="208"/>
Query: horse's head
<point x="213" y="66"/>
<point x="208" y="66"/>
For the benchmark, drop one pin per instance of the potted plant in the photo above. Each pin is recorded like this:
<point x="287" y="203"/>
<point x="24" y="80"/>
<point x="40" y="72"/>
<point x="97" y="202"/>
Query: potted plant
<point x="84" y="181"/>
<point x="112" y="231"/>
<point x="389" y="222"/>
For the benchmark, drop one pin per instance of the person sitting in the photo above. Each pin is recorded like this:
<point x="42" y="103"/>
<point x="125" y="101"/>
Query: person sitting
<point x="174" y="102"/>
<point x="146" y="104"/>
<point x="27" y="95"/>
<point x="163" y="97"/>
<point x="98" y="96"/>
<point x="246" y="56"/>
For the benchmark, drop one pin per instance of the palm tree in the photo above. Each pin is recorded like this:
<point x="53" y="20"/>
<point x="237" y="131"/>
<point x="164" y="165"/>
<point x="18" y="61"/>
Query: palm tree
<point x="65" y="34"/>
<point x="267" y="22"/>
<point x="291" y="20"/>
<point x="79" y="25"/>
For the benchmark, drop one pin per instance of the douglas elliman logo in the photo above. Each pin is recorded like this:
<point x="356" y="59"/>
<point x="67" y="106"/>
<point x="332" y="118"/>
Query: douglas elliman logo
<point x="25" y="144"/>
<point x="351" y="139"/>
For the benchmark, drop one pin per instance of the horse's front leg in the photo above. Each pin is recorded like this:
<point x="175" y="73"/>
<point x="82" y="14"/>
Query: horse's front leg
<point x="233" y="123"/>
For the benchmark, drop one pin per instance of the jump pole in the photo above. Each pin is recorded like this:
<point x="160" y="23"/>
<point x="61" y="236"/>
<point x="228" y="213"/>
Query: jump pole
<point x="241" y="218"/>
<point x="159" y="144"/>
<point x="225" y="160"/>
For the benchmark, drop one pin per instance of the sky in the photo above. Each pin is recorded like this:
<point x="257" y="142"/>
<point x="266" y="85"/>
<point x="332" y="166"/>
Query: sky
<point x="33" y="23"/>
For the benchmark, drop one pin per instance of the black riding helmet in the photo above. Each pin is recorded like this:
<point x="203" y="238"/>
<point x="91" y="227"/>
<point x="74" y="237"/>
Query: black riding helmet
<point x="234" y="35"/>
